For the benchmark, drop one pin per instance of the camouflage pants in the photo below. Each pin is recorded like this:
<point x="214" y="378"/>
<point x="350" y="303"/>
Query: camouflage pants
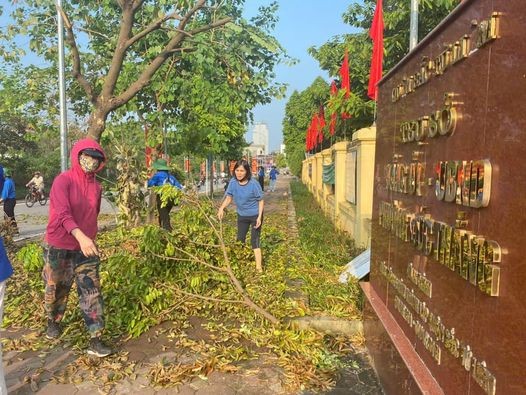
<point x="61" y="267"/>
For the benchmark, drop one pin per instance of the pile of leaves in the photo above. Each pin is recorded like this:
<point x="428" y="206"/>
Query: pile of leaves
<point x="151" y="276"/>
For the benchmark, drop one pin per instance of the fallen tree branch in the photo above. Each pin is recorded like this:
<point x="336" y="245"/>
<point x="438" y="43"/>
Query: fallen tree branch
<point x="228" y="267"/>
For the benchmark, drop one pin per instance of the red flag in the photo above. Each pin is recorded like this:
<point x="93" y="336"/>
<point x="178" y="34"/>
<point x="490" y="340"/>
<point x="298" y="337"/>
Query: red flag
<point x="311" y="134"/>
<point x="332" y="124"/>
<point x="377" y="35"/>
<point x="344" y="74"/>
<point x="321" y="124"/>
<point x="308" y="138"/>
<point x="334" y="90"/>
<point x="346" y="84"/>
<point x="314" y="131"/>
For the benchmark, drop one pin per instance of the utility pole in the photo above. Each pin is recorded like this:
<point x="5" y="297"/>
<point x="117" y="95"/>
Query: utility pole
<point x="413" y="25"/>
<point x="62" y="91"/>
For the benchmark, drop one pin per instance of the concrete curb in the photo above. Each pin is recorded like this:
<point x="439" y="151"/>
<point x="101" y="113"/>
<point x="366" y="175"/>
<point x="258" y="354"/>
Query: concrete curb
<point x="330" y="325"/>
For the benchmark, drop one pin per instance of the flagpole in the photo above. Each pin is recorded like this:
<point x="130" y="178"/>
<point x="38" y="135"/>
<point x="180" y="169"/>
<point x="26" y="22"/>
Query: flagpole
<point x="413" y="25"/>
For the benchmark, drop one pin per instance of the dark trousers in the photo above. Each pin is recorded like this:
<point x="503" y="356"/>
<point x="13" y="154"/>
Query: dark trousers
<point x="164" y="214"/>
<point x="243" y="224"/>
<point x="261" y="180"/>
<point x="9" y="210"/>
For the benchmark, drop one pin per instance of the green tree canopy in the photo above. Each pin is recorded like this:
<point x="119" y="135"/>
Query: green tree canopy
<point x="298" y="114"/>
<point x="359" y="46"/>
<point x="118" y="48"/>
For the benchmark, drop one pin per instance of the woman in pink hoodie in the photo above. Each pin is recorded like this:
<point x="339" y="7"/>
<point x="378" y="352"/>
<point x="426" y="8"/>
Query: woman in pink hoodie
<point x="70" y="252"/>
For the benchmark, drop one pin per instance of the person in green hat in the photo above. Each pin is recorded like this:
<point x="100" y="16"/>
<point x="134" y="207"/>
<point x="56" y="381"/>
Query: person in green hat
<point x="162" y="177"/>
<point x="9" y="198"/>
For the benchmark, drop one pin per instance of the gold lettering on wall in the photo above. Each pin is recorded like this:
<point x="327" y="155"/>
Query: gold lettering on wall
<point x="442" y="122"/>
<point x="438" y="332"/>
<point x="472" y="257"/>
<point x="484" y="378"/>
<point x="420" y="280"/>
<point x="486" y="31"/>
<point x="427" y="339"/>
<point x="408" y="178"/>
<point x="467" y="183"/>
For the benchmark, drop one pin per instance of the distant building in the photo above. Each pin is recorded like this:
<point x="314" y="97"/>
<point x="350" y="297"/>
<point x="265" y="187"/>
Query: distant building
<point x="282" y="149"/>
<point x="254" y="150"/>
<point x="260" y="137"/>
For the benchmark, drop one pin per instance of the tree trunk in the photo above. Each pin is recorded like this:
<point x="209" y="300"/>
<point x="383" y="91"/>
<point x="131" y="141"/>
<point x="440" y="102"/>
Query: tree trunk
<point x="97" y="122"/>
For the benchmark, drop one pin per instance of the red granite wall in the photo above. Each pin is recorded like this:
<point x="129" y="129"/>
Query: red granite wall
<point x="448" y="237"/>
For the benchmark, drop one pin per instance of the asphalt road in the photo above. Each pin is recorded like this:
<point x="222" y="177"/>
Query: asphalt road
<point x="32" y="221"/>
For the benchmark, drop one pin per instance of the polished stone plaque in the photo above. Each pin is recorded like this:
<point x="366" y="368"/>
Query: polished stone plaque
<point x="447" y="291"/>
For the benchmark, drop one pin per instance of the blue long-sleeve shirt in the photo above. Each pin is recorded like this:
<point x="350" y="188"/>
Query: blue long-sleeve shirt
<point x="8" y="191"/>
<point x="2" y="179"/>
<point x="6" y="270"/>
<point x="163" y="177"/>
<point x="273" y="174"/>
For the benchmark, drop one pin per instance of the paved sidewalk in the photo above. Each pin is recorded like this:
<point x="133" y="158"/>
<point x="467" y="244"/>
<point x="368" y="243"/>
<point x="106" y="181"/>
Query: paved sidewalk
<point x="29" y="372"/>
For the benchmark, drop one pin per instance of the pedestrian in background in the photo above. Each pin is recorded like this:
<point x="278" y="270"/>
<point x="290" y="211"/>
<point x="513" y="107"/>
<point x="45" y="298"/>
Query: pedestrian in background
<point x="70" y="252"/>
<point x="9" y="198"/>
<point x="6" y="270"/>
<point x="248" y="197"/>
<point x="162" y="177"/>
<point x="273" y="176"/>
<point x="261" y="177"/>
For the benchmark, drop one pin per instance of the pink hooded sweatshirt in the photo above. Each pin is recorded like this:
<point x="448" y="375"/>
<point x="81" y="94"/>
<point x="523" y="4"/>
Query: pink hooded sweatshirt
<point x="74" y="201"/>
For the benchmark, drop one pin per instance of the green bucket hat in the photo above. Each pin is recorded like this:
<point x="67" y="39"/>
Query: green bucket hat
<point x="160" y="164"/>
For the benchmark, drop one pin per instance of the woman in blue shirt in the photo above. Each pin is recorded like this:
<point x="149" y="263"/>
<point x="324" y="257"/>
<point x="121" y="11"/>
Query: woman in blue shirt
<point x="248" y="197"/>
<point x="162" y="177"/>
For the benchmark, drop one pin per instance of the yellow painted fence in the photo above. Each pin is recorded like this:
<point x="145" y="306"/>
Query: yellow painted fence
<point x="348" y="202"/>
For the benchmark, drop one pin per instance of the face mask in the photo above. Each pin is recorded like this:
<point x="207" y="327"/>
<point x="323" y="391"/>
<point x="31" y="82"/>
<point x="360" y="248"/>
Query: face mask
<point x="88" y="164"/>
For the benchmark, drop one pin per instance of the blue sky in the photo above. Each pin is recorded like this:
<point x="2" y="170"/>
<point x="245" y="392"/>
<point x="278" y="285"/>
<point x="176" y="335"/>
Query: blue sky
<point x="302" y="24"/>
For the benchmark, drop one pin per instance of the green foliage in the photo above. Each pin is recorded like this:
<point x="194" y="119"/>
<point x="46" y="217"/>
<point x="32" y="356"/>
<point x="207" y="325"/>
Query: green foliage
<point x="329" y="244"/>
<point x="217" y="84"/>
<point x="396" y="21"/>
<point x="359" y="46"/>
<point x="29" y="130"/>
<point x="149" y="275"/>
<point x="168" y="193"/>
<point x="32" y="258"/>
<point x="126" y="161"/>
<point x="281" y="160"/>
<point x="192" y="71"/>
<point x="327" y="250"/>
<point x="298" y="114"/>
